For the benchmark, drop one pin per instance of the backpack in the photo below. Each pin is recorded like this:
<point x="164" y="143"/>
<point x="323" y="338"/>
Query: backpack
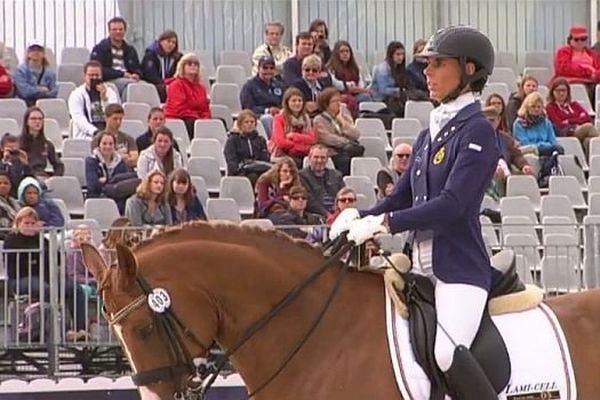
<point x="549" y="166"/>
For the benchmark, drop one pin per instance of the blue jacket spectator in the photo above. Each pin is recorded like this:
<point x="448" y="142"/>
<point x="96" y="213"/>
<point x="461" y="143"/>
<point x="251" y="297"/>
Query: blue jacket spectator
<point x="102" y="53"/>
<point x="416" y="75"/>
<point x="30" y="193"/>
<point x="292" y="68"/>
<point x="34" y="79"/>
<point x="262" y="93"/>
<point x="160" y="61"/>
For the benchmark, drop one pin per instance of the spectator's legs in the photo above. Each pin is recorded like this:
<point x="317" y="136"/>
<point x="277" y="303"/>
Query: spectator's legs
<point x="342" y="163"/>
<point x="189" y="125"/>
<point x="121" y="84"/>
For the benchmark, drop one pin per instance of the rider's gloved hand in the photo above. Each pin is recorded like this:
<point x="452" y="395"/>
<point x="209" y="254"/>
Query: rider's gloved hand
<point x="342" y="222"/>
<point x="366" y="228"/>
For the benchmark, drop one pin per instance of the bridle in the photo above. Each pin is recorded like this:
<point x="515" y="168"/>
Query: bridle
<point x="202" y="372"/>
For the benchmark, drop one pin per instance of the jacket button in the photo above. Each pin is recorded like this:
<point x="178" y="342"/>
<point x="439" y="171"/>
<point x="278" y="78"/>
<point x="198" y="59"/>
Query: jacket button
<point x="418" y="172"/>
<point x="453" y="128"/>
<point x="424" y="197"/>
<point x="416" y="198"/>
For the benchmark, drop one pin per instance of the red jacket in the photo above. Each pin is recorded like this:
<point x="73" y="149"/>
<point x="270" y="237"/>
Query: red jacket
<point x="186" y="99"/>
<point x="570" y="114"/>
<point x="6" y="84"/>
<point x="296" y="146"/>
<point x="565" y="68"/>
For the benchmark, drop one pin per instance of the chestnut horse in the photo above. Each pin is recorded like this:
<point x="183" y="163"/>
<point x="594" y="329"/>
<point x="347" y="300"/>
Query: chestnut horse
<point x="223" y="278"/>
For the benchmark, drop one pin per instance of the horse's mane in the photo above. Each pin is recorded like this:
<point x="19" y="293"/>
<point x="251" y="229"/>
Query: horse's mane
<point x="228" y="233"/>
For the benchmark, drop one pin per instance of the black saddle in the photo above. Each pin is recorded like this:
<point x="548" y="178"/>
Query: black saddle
<point x="488" y="348"/>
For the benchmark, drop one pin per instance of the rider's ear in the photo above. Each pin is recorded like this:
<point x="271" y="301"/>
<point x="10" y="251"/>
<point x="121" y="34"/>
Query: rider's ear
<point x="127" y="267"/>
<point x="93" y="260"/>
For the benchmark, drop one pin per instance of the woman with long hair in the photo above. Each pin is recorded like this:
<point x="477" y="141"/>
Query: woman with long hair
<point x="497" y="101"/>
<point x="40" y="151"/>
<point x="320" y="33"/>
<point x="274" y="184"/>
<point x="160" y="61"/>
<point x="181" y="197"/>
<point x="161" y="155"/>
<point x="532" y="128"/>
<point x="345" y="73"/>
<point x="148" y="206"/>
<point x="35" y="79"/>
<point x="528" y="85"/>
<point x="390" y="79"/>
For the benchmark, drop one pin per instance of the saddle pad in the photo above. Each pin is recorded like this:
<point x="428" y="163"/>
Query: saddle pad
<point x="539" y="355"/>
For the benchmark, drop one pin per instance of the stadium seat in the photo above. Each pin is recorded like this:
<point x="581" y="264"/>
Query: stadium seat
<point x="201" y="191"/>
<point x="70" y="73"/>
<point x="557" y="206"/>
<point x="571" y="167"/>
<point x="561" y="264"/>
<point x="180" y="133"/>
<point x="143" y="93"/>
<point x="365" y="166"/>
<point x="237" y="57"/>
<point x="74" y="55"/>
<point x="490" y="203"/>
<point x="579" y="93"/>
<point x="133" y="128"/>
<point x="558" y="224"/>
<point x="64" y="90"/>
<point x="262" y="223"/>
<point x="68" y="189"/>
<point x="542" y="74"/>
<point x="521" y="225"/>
<point x="518" y="206"/>
<point x="136" y="111"/>
<point x="372" y="106"/>
<point x="402" y="139"/>
<point x="593" y="184"/>
<point x="594" y="204"/>
<point x="594" y="166"/>
<point x="406" y="127"/>
<point x="505" y="59"/>
<point x="372" y="127"/>
<point x="53" y="133"/>
<point x="240" y="189"/>
<point x="222" y="112"/>
<point x="77" y="148"/>
<point x="374" y="147"/>
<point x="103" y="210"/>
<point x="504" y="75"/>
<point x="591" y="261"/>
<point x="231" y="74"/>
<point x="64" y="211"/>
<point x="500" y="88"/>
<point x="543" y="59"/>
<point x="227" y="94"/>
<point x="208" y="148"/>
<point x="223" y="209"/>
<point x="572" y="145"/>
<point x="56" y="109"/>
<point x="75" y="166"/>
<point x="329" y="164"/>
<point x="13" y="108"/>
<point x="524" y="185"/>
<point x="568" y="186"/>
<point x="524" y="247"/>
<point x="208" y="168"/>
<point x="10" y="125"/>
<point x="362" y="185"/>
<point x="419" y="110"/>
<point x="210" y="129"/>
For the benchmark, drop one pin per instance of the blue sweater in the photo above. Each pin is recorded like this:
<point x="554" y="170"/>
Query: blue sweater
<point x="27" y="83"/>
<point x="540" y="135"/>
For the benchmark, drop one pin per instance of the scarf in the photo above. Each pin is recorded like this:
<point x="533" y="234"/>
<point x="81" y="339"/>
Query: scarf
<point x="299" y="124"/>
<point x="108" y="167"/>
<point x="531" y="120"/>
<point x="347" y="74"/>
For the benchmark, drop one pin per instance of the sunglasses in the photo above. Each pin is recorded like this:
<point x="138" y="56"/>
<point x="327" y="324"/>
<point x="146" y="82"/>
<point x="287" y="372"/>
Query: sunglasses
<point x="582" y="39"/>
<point x="313" y="70"/>
<point x="402" y="155"/>
<point x="268" y="67"/>
<point x="298" y="197"/>
<point x="346" y="199"/>
<point x="192" y="63"/>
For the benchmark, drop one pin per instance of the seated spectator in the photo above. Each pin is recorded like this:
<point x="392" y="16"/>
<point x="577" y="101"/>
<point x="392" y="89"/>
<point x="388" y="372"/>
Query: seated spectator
<point x="31" y="194"/>
<point x="292" y="211"/>
<point x="292" y="67"/>
<point x="567" y="115"/>
<point x="263" y="93"/>
<point x="511" y="157"/>
<point x="125" y="144"/>
<point x="160" y="61"/>
<point x="27" y="263"/>
<point x="107" y="174"/>
<point x="390" y="79"/>
<point x="34" y="79"/>
<point x="293" y="133"/>
<point x="388" y="176"/>
<point x="40" y="151"/>
<point x="321" y="183"/>
<point x="495" y="100"/>
<point x="120" y="61"/>
<point x="312" y="83"/>
<point x="533" y="129"/>
<point x="121" y="231"/>
<point x="6" y="83"/>
<point x="246" y="151"/>
<point x="156" y="119"/>
<point x="272" y="48"/>
<point x="6" y="60"/>
<point x="14" y="161"/>
<point x="345" y="198"/>
<point x="148" y="206"/>
<point x="161" y="155"/>
<point x="335" y="130"/>
<point x="416" y="73"/>
<point x="75" y="269"/>
<point x="182" y="199"/>
<point x="576" y="61"/>
<point x="274" y="184"/>
<point x="88" y="101"/>
<point x="345" y="73"/>
<point x="528" y="85"/>
<point x="186" y="95"/>
<point x="320" y="34"/>
<point x="9" y="206"/>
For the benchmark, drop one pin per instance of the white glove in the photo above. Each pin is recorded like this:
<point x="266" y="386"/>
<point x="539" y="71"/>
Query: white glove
<point x="366" y="228"/>
<point x="342" y="222"/>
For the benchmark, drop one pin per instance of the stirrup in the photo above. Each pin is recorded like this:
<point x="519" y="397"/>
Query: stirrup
<point x="466" y="379"/>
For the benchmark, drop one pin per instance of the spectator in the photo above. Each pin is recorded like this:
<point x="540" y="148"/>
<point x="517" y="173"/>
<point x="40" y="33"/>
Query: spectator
<point x="293" y="212"/>
<point x="528" y="85"/>
<point x="345" y="198"/>
<point x="107" y="174"/>
<point x="320" y="34"/>
<point x="416" y="73"/>
<point x="181" y="197"/>
<point x="511" y="156"/>
<point x="186" y="95"/>
<point x="567" y="115"/>
<point x="292" y="67"/>
<point x="34" y="79"/>
<point x="6" y="83"/>
<point x="161" y="155"/>
<point x="9" y="206"/>
<point x="321" y="182"/>
<point x="125" y="144"/>
<point x="156" y="119"/>
<point x="14" y="161"/>
<point x="495" y="100"/>
<point x="345" y="73"/>
<point x="312" y="84"/>
<point x="88" y="101"/>
<point x="387" y="177"/>
<point x="390" y="79"/>
<point x="5" y="57"/>
<point x="120" y="61"/>
<point x="335" y="130"/>
<point x="272" y="48"/>
<point x="274" y="184"/>
<point x="31" y="194"/>
<point x="576" y="61"/>
<point x="597" y="44"/>
<point x="75" y="269"/>
<point x="532" y="128"/>
<point x="246" y="151"/>
<point x="148" y="206"/>
<point x="121" y="231"/>
<point x="40" y="151"/>
<point x="28" y="264"/>
<point x="293" y="133"/>
<point x="263" y="93"/>
<point x="160" y="61"/>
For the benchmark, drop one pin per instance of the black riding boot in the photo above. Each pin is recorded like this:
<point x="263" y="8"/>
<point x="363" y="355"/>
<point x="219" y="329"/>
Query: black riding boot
<point x="466" y="379"/>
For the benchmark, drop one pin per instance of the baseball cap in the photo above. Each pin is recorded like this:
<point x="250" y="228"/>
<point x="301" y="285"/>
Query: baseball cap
<point x="578" y="31"/>
<point x="266" y="60"/>
<point x="35" y="43"/>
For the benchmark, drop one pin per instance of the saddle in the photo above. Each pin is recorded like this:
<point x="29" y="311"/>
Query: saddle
<point x="488" y="348"/>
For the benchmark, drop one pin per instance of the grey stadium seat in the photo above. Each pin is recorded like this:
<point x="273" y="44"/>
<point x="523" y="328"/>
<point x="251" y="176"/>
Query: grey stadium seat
<point x="68" y="189"/>
<point x="208" y="168"/>
<point x="210" y="129"/>
<point x="240" y="189"/>
<point x="103" y="210"/>
<point x="143" y="93"/>
<point x="13" y="108"/>
<point x="77" y="148"/>
<point x="70" y="73"/>
<point x="208" y="148"/>
<point x="365" y="166"/>
<point x="224" y="209"/>
<point x="227" y="94"/>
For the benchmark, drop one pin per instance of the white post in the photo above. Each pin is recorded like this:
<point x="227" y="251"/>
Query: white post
<point x="294" y="11"/>
<point x="594" y="19"/>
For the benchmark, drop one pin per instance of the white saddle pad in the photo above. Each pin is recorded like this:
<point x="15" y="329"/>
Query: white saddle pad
<point x="539" y="356"/>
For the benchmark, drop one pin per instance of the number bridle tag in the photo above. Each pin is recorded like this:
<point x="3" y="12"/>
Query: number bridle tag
<point x="159" y="300"/>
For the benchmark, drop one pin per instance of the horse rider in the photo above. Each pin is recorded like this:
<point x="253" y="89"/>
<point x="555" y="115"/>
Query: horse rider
<point x="439" y="198"/>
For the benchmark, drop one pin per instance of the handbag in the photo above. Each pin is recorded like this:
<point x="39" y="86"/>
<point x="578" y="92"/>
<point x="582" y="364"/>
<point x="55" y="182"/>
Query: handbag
<point x="121" y="186"/>
<point x="254" y="166"/>
<point x="352" y="149"/>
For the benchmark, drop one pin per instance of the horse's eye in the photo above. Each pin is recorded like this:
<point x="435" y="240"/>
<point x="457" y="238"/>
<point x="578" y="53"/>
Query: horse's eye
<point x="146" y="330"/>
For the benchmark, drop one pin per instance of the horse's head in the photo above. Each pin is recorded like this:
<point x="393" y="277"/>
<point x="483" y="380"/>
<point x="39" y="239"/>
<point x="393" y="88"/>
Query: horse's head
<point x="152" y="335"/>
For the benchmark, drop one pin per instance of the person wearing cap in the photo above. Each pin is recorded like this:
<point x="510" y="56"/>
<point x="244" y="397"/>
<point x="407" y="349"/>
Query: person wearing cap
<point x="160" y="61"/>
<point x="576" y="61"/>
<point x="272" y="47"/>
<point x="33" y="78"/>
<point x="263" y="93"/>
<point x="439" y="197"/>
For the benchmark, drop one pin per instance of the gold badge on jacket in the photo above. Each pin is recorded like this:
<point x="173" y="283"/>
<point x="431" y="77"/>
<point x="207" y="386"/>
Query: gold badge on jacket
<point x="439" y="156"/>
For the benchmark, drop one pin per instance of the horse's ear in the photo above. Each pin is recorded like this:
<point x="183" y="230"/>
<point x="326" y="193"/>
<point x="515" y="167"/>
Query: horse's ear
<point x="127" y="267"/>
<point x="93" y="261"/>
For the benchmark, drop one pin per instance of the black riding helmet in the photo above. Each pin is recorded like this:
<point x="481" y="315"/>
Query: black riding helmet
<point x="466" y="44"/>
